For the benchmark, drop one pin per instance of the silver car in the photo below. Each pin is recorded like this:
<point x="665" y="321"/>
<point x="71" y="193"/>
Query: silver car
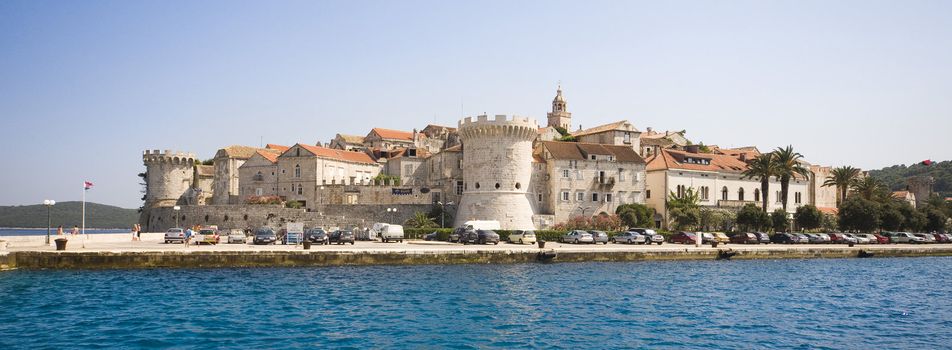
<point x="629" y="237"/>
<point x="577" y="236"/>
<point x="926" y="237"/>
<point x="859" y="240"/>
<point x="175" y="235"/>
<point x="599" y="237"/>
<point x="905" y="237"/>
<point x="236" y="236"/>
<point x="650" y="235"/>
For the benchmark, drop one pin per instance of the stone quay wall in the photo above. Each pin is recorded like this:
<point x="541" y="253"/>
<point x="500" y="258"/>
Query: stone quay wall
<point x="276" y="216"/>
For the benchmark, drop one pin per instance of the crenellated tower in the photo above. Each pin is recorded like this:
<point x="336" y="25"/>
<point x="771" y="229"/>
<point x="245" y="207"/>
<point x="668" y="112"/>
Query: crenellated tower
<point x="497" y="167"/>
<point x="168" y="176"/>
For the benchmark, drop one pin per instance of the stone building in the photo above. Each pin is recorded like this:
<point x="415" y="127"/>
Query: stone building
<point x="303" y="168"/>
<point x="387" y="139"/>
<point x="168" y="176"/>
<point x="444" y="171"/>
<point x="586" y="179"/>
<point x="618" y="133"/>
<point x="823" y="197"/>
<point x="676" y="137"/>
<point x="227" y="161"/>
<point x="559" y="116"/>
<point x="348" y="143"/>
<point x="921" y="188"/>
<point x="258" y="176"/>
<point x="717" y="180"/>
<point x="497" y="168"/>
<point x="406" y="163"/>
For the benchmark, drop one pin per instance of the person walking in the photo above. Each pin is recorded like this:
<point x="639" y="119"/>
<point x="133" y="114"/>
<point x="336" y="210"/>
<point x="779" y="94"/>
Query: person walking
<point x="138" y="229"/>
<point x="188" y="235"/>
<point x="59" y="230"/>
<point x="74" y="231"/>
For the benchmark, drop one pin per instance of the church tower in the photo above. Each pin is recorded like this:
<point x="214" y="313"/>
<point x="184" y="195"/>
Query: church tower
<point x="559" y="115"/>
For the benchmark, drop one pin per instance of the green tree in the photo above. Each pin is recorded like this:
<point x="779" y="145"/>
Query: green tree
<point x="808" y="217"/>
<point x="437" y="212"/>
<point x="779" y="221"/>
<point x="751" y="218"/>
<point x="936" y="220"/>
<point x="891" y="217"/>
<point x="636" y="215"/>
<point x="716" y="219"/>
<point x="859" y="214"/>
<point x="683" y="210"/>
<point x="842" y="178"/>
<point x="870" y="189"/>
<point x="913" y="220"/>
<point x="788" y="165"/>
<point x="762" y="168"/>
<point x="420" y="220"/>
<point x="830" y="222"/>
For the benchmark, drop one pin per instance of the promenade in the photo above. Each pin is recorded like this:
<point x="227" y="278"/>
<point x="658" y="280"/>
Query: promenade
<point x="119" y="251"/>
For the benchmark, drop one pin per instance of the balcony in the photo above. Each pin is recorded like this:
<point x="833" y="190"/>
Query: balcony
<point x="258" y="177"/>
<point x="604" y="181"/>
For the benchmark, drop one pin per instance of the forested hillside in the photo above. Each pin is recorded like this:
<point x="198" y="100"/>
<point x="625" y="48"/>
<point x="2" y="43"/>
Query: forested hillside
<point x="68" y="214"/>
<point x="896" y="175"/>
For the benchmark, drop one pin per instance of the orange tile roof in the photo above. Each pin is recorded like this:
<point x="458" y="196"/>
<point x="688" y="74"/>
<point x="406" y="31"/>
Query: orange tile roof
<point x="351" y="138"/>
<point x="828" y="210"/>
<point x="393" y="134"/>
<point x="271" y="156"/>
<point x="580" y="151"/>
<point x="674" y="159"/>
<point x="602" y="128"/>
<point x="236" y="151"/>
<point x="279" y="148"/>
<point x="336" y="154"/>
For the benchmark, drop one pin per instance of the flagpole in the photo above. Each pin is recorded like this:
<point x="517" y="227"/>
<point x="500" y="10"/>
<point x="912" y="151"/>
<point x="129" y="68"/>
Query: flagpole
<point x="84" y="209"/>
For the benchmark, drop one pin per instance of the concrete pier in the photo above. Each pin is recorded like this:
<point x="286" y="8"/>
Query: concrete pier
<point x="118" y="251"/>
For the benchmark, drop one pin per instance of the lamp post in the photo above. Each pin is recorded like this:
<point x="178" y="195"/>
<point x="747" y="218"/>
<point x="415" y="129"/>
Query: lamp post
<point x="49" y="204"/>
<point x="391" y="211"/>
<point x="443" y="213"/>
<point x="176" y="210"/>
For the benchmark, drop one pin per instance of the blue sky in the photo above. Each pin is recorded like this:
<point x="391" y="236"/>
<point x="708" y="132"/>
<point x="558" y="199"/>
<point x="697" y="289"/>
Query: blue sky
<point x="86" y="86"/>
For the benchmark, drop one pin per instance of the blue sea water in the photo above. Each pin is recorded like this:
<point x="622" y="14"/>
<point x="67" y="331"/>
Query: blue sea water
<point x="897" y="303"/>
<point x="42" y="231"/>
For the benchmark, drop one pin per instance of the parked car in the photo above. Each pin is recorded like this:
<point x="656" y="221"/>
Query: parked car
<point x="745" y="238"/>
<point x="236" y="235"/>
<point x="882" y="239"/>
<point x="577" y="236"/>
<point x="802" y="238"/>
<point x="650" y="235"/>
<point x="599" y="237"/>
<point x="264" y="235"/>
<point x="784" y="238"/>
<point x="824" y="238"/>
<point x="941" y="238"/>
<point x="175" y="235"/>
<point x="457" y="233"/>
<point x="341" y="237"/>
<point x="926" y="238"/>
<point x="683" y="237"/>
<point x="905" y="237"/>
<point x="206" y="235"/>
<point x="522" y="237"/>
<point x="859" y="240"/>
<point x="706" y="237"/>
<point x="432" y="236"/>
<point x="317" y="235"/>
<point x="391" y="232"/>
<point x="720" y="237"/>
<point x="763" y="237"/>
<point x="814" y="238"/>
<point x="870" y="238"/>
<point x="480" y="237"/>
<point x="629" y="237"/>
<point x="839" y="237"/>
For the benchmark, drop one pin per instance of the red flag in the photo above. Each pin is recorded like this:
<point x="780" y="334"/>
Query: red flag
<point x="87" y="185"/>
<point x="926" y="162"/>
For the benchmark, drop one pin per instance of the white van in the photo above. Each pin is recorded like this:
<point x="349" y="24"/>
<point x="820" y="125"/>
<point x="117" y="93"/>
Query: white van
<point x="391" y="233"/>
<point x="482" y="225"/>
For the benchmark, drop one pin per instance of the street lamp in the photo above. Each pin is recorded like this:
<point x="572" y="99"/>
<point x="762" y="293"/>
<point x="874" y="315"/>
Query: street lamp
<point x="176" y="209"/>
<point x="391" y="211"/>
<point x="49" y="204"/>
<point x="443" y="213"/>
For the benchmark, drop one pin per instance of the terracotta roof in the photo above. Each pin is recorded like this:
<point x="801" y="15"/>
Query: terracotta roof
<point x="580" y="151"/>
<point x="351" y="138"/>
<point x="750" y="152"/>
<point x="393" y="134"/>
<point x="271" y="156"/>
<point x="336" y="154"/>
<point x="652" y="134"/>
<point x="602" y="128"/>
<point x="674" y="159"/>
<point x="236" y="151"/>
<point x="279" y="148"/>
<point x="828" y="210"/>
<point x="205" y="170"/>
<point x="656" y="142"/>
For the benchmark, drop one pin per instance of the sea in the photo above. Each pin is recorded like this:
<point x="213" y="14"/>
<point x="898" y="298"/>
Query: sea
<point x="877" y="303"/>
<point x="42" y="231"/>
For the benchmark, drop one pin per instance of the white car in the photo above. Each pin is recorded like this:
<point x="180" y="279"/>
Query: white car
<point x="869" y="238"/>
<point x="522" y="237"/>
<point x="175" y="235"/>
<point x="926" y="237"/>
<point x="859" y="239"/>
<point x="905" y="237"/>
<point x="236" y="236"/>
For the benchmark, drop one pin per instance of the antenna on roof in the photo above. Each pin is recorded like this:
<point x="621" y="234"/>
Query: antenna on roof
<point x="260" y="141"/>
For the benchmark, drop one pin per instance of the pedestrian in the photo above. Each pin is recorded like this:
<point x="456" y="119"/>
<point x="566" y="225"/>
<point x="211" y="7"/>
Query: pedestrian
<point x="133" y="230"/>
<point x="59" y="230"/>
<point x="188" y="235"/>
<point x="75" y="230"/>
<point x="138" y="232"/>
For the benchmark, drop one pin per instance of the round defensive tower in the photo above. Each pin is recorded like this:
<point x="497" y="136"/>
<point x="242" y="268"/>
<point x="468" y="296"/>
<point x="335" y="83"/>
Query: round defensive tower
<point x="168" y="176"/>
<point x="497" y="166"/>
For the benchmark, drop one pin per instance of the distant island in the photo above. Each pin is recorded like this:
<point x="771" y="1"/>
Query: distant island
<point x="68" y="214"/>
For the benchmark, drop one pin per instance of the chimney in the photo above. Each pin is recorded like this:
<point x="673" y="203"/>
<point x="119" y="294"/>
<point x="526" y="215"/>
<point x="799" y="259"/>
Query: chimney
<point x="692" y="149"/>
<point x="649" y="131"/>
<point x="742" y="156"/>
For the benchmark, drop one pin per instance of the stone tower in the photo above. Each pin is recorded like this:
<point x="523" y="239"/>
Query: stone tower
<point x="560" y="115"/>
<point x="921" y="187"/>
<point x="168" y="176"/>
<point x="497" y="167"/>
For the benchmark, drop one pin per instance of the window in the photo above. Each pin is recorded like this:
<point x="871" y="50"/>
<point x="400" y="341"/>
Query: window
<point x="477" y="185"/>
<point x="592" y="157"/>
<point x="627" y="137"/>
<point x="595" y="197"/>
<point x="705" y="193"/>
<point x="580" y="196"/>
<point x="578" y="174"/>
<point x="258" y="177"/>
<point x="680" y="191"/>
<point x="740" y="194"/>
<point x="459" y="187"/>
<point x="724" y="193"/>
<point x="292" y="188"/>
<point x="601" y="177"/>
<point x="565" y="173"/>
<point x="297" y="170"/>
<point x="565" y="196"/>
<point x="459" y="164"/>
<point x="757" y="195"/>
<point x="300" y="189"/>
<point x="621" y="175"/>
<point x="573" y="164"/>
<point x="518" y="186"/>
<point x="608" y="197"/>
<point x="647" y="194"/>
<point x="611" y="158"/>
<point x="497" y="185"/>
<point x="540" y="197"/>
<point x="259" y="192"/>
<point x="778" y="197"/>
<point x="797" y="197"/>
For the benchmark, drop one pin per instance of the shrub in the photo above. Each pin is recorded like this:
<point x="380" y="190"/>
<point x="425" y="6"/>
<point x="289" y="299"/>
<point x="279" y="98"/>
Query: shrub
<point x="263" y="200"/>
<point x="808" y="217"/>
<point x="751" y="218"/>
<point x="859" y="214"/>
<point x="779" y="221"/>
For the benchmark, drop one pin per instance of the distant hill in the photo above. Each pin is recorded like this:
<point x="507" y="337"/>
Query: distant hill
<point x="68" y="214"/>
<point x="895" y="176"/>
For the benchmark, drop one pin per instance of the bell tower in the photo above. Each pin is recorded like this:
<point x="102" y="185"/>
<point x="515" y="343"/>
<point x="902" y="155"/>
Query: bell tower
<point x="560" y="116"/>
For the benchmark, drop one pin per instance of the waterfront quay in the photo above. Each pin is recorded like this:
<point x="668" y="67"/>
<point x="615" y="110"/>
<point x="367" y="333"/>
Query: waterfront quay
<point x="119" y="251"/>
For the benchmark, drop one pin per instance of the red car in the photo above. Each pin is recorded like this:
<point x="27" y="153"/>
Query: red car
<point x="838" y="238"/>
<point x="745" y="238"/>
<point x="683" y="238"/>
<point x="941" y="238"/>
<point x="882" y="239"/>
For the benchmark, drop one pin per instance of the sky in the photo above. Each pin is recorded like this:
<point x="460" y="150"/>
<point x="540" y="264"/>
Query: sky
<point x="87" y="86"/>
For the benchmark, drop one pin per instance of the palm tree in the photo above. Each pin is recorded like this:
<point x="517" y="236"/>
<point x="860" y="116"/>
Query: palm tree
<point x="420" y="220"/>
<point x="870" y="189"/>
<point x="788" y="165"/>
<point x="843" y="178"/>
<point x="762" y="168"/>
